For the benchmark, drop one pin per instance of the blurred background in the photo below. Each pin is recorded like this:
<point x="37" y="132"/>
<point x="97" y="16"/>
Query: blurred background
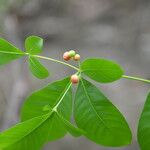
<point x="117" y="30"/>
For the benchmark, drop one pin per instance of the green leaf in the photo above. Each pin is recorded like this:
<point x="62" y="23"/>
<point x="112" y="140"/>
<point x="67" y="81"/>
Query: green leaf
<point x="28" y="135"/>
<point x="144" y="126"/>
<point x="34" y="45"/>
<point x="74" y="131"/>
<point x="55" y="96"/>
<point x="8" y="52"/>
<point x="101" y="70"/>
<point x="37" y="69"/>
<point x="99" y="118"/>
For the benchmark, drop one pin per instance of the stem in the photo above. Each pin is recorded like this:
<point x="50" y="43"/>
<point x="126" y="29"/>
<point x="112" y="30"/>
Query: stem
<point x="71" y="66"/>
<point x="55" y="108"/>
<point x="136" y="78"/>
<point x="55" y="60"/>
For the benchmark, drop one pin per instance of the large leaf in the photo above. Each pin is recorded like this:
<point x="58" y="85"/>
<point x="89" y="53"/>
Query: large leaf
<point x="37" y="69"/>
<point x="56" y="95"/>
<point x="144" y="126"/>
<point x="28" y="135"/>
<point x="34" y="45"/>
<point x="101" y="70"/>
<point x="8" y="52"/>
<point x="99" y="118"/>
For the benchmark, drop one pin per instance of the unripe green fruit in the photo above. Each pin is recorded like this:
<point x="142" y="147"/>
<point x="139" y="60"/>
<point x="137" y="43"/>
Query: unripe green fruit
<point x="72" y="53"/>
<point x="74" y="79"/>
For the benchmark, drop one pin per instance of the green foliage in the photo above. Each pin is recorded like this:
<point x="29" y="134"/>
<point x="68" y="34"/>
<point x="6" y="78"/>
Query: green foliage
<point x="29" y="135"/>
<point x="45" y="125"/>
<point x="74" y="131"/>
<point x="101" y="70"/>
<point x="144" y="126"/>
<point x="37" y="69"/>
<point x="47" y="96"/>
<point x="45" y="100"/>
<point x="34" y="45"/>
<point x="8" y="52"/>
<point x="102" y="122"/>
<point x="47" y="113"/>
<point x="51" y="95"/>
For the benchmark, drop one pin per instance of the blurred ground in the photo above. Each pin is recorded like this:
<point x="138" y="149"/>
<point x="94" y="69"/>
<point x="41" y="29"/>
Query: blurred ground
<point x="117" y="30"/>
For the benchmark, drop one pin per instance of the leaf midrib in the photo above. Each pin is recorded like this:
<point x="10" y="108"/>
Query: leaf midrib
<point x="14" y="53"/>
<point x="93" y="106"/>
<point x="66" y="122"/>
<point x="33" y="63"/>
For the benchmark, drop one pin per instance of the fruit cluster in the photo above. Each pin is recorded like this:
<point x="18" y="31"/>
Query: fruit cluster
<point x="67" y="56"/>
<point x="71" y="54"/>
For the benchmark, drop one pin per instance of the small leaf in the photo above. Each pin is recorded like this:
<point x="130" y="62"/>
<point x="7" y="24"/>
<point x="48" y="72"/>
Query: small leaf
<point x="144" y="126"/>
<point x="34" y="45"/>
<point x="75" y="131"/>
<point x="57" y="94"/>
<point x="101" y="70"/>
<point x="37" y="69"/>
<point x="8" y="52"/>
<point x="99" y="118"/>
<point x="29" y="135"/>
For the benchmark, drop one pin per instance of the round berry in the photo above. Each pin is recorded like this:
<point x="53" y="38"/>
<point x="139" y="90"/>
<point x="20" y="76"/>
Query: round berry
<point x="72" y="53"/>
<point x="74" y="79"/>
<point x="66" y="56"/>
<point x="76" y="57"/>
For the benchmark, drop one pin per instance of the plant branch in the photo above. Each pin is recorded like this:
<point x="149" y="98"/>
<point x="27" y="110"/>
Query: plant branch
<point x="71" y="66"/>
<point x="136" y="78"/>
<point x="66" y="90"/>
<point x="55" y="60"/>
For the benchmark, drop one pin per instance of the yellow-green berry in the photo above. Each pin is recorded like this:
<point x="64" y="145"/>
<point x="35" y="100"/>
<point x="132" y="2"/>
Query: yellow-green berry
<point x="76" y="57"/>
<point x="72" y="53"/>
